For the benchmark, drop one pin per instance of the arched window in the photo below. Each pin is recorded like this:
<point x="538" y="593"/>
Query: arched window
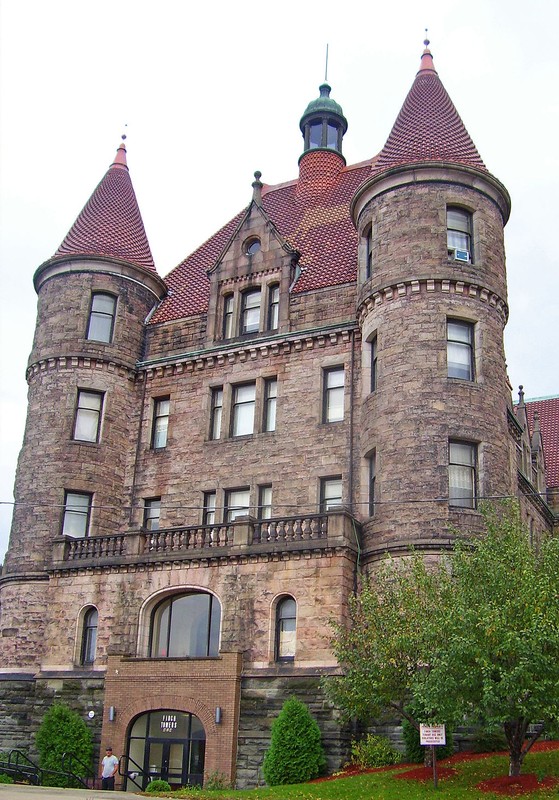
<point x="286" y="623"/>
<point x="186" y="625"/>
<point x="89" y="636"/>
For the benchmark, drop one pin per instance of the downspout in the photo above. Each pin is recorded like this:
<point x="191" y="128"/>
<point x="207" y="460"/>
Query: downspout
<point x="350" y="469"/>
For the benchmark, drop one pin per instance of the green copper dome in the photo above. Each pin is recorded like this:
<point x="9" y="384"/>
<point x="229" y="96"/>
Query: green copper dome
<point x="324" y="106"/>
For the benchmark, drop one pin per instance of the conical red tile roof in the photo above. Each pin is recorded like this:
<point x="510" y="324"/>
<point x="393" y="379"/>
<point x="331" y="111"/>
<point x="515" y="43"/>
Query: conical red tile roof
<point x="110" y="224"/>
<point x="428" y="127"/>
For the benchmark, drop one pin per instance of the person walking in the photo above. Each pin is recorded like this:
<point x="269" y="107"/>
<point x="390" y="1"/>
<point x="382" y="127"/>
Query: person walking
<point x="109" y="767"/>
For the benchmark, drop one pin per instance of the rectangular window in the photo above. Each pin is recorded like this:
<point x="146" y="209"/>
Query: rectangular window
<point x="160" y="423"/>
<point x="88" y="416"/>
<point x="208" y="515"/>
<point x="462" y="474"/>
<point x="216" y="412"/>
<point x="273" y="308"/>
<point x="270" y="403"/>
<point x="77" y="510"/>
<point x="236" y="503"/>
<point x="460" y="349"/>
<point x="244" y="400"/>
<point x="459" y="233"/>
<point x="250" y="311"/>
<point x="373" y="346"/>
<point x="369" y="252"/>
<point x="372" y="480"/>
<point x="152" y="513"/>
<point x="330" y="493"/>
<point x="101" y="317"/>
<point x="333" y="395"/>
<point x="228" y="326"/>
<point x="264" y="502"/>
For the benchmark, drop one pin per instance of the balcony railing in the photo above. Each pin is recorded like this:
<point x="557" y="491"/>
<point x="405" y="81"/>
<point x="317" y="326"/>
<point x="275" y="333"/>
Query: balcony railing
<point x="310" y="530"/>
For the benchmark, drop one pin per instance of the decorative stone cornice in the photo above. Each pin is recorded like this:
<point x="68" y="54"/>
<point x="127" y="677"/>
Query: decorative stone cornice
<point x="465" y="289"/>
<point x="80" y="362"/>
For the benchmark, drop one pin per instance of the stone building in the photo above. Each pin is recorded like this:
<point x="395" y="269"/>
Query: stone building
<point x="212" y="459"/>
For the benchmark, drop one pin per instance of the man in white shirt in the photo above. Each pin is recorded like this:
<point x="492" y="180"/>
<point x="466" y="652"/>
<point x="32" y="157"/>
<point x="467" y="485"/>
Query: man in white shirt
<point x="109" y="767"/>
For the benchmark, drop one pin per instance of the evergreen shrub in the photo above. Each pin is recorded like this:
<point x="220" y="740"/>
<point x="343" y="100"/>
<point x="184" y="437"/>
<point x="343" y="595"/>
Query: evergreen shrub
<point x="63" y="731"/>
<point x="374" y="751"/>
<point x="158" y="786"/>
<point x="296" y="753"/>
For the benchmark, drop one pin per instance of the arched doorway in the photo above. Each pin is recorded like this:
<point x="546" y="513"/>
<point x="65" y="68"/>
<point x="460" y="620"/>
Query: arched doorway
<point x="168" y="745"/>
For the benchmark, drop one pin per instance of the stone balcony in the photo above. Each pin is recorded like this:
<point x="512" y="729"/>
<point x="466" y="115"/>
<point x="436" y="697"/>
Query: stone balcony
<point x="245" y="536"/>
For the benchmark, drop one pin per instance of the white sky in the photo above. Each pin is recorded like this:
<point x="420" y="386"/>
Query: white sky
<point x="211" y="92"/>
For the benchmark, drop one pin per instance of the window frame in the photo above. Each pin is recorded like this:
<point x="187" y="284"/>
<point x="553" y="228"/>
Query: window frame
<point x="465" y="345"/>
<point x="269" y="417"/>
<point x="272" y="321"/>
<point x="157" y="420"/>
<point x="231" y="511"/>
<point x="252" y="292"/>
<point x="74" y="509"/>
<point x="373" y="345"/>
<point x="325" y="501"/>
<point x="280" y="619"/>
<point x="213" y="616"/>
<point x="216" y="412"/>
<point x="239" y="406"/>
<point x="458" y="468"/>
<point x="368" y="242"/>
<point x="329" y="392"/>
<point x="98" y="316"/>
<point x="228" y="328"/>
<point x="265" y="501"/>
<point x="371" y="481"/>
<point x="457" y="230"/>
<point x="151" y="505"/>
<point x="82" y="411"/>
<point x="88" y="644"/>
<point x="209" y="508"/>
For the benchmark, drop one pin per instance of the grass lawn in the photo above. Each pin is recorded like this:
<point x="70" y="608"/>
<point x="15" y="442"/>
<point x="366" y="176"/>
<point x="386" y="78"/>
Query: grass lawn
<point x="385" y="786"/>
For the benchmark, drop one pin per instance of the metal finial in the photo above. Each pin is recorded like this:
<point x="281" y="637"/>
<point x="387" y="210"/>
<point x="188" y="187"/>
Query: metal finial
<point x="123" y="137"/>
<point x="257" y="174"/>
<point x="426" y="41"/>
<point x="326" y="66"/>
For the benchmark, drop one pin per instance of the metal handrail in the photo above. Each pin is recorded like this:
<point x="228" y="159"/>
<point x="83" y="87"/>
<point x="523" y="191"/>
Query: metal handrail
<point x="136" y="772"/>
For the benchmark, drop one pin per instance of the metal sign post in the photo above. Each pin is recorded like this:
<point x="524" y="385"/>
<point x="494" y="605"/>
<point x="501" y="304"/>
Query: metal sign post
<point x="433" y="736"/>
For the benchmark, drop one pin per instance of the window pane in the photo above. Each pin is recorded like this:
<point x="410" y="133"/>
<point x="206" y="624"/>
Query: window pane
<point x="209" y="508"/>
<point x="237" y="504"/>
<point x="334" y="395"/>
<point x="460" y="350"/>
<point x="189" y="623"/>
<point x="374" y="364"/>
<point x="152" y="513"/>
<point x="251" y="311"/>
<point x="228" y="317"/>
<point x="331" y="493"/>
<point x="76" y="515"/>
<point x="265" y="502"/>
<point x="160" y="423"/>
<point x="88" y="414"/>
<point x="332" y="137"/>
<point x="273" y="308"/>
<point x="459" y="229"/>
<point x="101" y="318"/>
<point x="243" y="409"/>
<point x="217" y="411"/>
<point x="315" y="135"/>
<point x="462" y="474"/>
<point x="89" y="640"/>
<point x="286" y="629"/>
<point x="270" y="400"/>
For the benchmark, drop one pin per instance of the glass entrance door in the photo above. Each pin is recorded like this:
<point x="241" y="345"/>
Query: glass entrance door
<point x="167" y="745"/>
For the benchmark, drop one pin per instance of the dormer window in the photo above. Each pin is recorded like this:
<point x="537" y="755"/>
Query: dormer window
<point x="250" y="311"/>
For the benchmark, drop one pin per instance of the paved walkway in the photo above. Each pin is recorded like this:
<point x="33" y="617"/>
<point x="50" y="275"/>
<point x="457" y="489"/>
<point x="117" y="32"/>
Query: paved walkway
<point x="18" y="792"/>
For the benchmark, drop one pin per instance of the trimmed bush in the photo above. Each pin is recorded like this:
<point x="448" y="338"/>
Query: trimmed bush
<point x="158" y="786"/>
<point x="415" y="752"/>
<point x="374" y="751"/>
<point x="62" y="731"/>
<point x="296" y="754"/>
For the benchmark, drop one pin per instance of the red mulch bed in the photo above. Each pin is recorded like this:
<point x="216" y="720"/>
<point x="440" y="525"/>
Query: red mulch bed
<point x="514" y="787"/>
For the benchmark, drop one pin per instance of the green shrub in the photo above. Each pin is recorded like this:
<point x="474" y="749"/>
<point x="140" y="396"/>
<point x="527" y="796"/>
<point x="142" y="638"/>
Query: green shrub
<point x="5" y="778"/>
<point x="490" y="740"/>
<point x="374" y="751"/>
<point x="415" y="752"/>
<point x="158" y="786"/>
<point x="62" y="731"/>
<point x="296" y="754"/>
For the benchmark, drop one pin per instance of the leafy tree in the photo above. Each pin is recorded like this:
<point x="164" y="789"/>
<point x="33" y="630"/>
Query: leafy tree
<point x="296" y="754"/>
<point x="62" y="731"/>
<point x="476" y="634"/>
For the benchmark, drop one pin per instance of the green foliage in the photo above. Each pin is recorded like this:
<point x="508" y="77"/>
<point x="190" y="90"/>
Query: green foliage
<point x="415" y="752"/>
<point x="158" y="786"/>
<point x="296" y="754"/>
<point x="217" y="780"/>
<point x="5" y="778"/>
<point x="61" y="731"/>
<point x="489" y="740"/>
<point x="374" y="751"/>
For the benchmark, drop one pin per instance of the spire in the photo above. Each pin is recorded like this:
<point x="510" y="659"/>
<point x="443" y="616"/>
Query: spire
<point x="110" y="223"/>
<point x="428" y="127"/>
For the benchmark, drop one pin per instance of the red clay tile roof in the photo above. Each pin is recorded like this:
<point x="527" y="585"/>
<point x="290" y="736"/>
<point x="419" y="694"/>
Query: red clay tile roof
<point x="311" y="213"/>
<point x="428" y="127"/>
<point x="110" y="224"/>
<point x="548" y="411"/>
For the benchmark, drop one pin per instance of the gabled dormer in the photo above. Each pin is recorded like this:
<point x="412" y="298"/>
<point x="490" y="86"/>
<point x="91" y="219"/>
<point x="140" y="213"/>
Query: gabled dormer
<point x="251" y="278"/>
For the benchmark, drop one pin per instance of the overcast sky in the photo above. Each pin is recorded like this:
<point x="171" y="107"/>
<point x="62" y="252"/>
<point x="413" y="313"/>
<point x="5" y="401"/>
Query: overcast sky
<point x="210" y="92"/>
